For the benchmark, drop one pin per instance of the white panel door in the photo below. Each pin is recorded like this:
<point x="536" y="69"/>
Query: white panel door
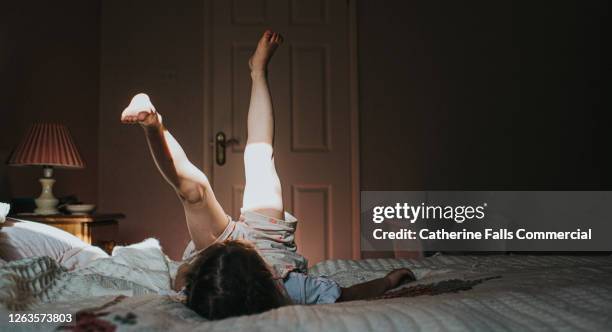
<point x="310" y="82"/>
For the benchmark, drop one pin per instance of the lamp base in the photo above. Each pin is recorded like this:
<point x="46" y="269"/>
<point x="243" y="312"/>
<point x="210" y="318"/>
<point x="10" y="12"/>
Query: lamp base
<point x="46" y="203"/>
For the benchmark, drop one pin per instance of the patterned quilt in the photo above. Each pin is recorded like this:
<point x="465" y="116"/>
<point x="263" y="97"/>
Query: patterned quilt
<point x="459" y="293"/>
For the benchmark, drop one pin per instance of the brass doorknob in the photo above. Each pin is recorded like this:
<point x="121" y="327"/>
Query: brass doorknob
<point x="221" y="143"/>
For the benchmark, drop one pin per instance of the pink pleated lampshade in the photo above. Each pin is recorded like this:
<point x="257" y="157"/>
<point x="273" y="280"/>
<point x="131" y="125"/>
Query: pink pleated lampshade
<point x="47" y="144"/>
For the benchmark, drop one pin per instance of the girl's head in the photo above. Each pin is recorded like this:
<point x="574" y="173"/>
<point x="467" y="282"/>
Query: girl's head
<point x="230" y="279"/>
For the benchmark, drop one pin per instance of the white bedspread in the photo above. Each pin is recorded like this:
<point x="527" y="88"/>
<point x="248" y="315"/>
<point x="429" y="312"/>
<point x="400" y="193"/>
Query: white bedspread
<point x="533" y="293"/>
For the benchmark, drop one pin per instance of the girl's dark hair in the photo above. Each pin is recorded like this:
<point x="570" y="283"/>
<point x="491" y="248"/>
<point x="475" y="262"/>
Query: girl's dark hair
<point x="231" y="279"/>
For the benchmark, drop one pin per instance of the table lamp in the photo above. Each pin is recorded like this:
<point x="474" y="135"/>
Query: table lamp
<point x="48" y="145"/>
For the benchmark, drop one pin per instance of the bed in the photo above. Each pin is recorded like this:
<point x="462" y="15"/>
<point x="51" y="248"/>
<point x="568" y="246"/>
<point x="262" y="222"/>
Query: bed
<point x="459" y="293"/>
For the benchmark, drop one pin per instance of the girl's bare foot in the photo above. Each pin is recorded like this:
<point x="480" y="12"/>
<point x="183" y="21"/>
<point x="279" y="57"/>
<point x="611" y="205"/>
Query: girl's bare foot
<point x="141" y="111"/>
<point x="265" y="49"/>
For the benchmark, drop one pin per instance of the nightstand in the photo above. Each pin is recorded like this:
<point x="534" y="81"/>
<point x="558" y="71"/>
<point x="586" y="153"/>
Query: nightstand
<point x="100" y="230"/>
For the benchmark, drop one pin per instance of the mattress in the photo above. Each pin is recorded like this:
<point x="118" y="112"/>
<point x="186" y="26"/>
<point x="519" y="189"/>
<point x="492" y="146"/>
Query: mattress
<point x="520" y="293"/>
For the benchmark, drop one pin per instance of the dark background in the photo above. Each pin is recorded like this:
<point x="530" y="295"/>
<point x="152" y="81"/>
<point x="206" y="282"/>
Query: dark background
<point x="488" y="95"/>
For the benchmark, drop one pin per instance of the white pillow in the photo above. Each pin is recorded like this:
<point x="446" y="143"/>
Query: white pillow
<point x="21" y="239"/>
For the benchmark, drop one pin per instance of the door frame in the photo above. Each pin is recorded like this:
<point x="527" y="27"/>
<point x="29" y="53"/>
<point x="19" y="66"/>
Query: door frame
<point x="208" y="134"/>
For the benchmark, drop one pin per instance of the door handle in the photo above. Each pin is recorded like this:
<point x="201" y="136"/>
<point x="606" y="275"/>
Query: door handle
<point x="221" y="144"/>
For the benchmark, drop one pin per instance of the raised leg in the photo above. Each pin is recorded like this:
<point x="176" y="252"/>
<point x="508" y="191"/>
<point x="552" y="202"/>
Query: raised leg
<point x="262" y="192"/>
<point x="206" y="219"/>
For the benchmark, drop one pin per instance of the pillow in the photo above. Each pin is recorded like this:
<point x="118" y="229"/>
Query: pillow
<point x="21" y="239"/>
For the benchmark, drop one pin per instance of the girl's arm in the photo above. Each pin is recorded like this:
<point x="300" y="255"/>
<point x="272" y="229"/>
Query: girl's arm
<point x="376" y="287"/>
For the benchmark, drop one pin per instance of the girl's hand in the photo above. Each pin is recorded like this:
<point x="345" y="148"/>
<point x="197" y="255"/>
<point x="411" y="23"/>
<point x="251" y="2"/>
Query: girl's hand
<point x="398" y="277"/>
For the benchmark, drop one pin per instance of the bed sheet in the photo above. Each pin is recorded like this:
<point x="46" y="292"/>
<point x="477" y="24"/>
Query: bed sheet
<point x="526" y="293"/>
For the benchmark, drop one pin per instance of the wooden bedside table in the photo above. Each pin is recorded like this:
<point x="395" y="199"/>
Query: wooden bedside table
<point x="100" y="230"/>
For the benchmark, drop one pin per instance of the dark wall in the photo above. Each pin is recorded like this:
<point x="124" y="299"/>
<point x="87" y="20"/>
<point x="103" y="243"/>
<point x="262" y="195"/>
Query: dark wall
<point x="484" y="95"/>
<point x="49" y="58"/>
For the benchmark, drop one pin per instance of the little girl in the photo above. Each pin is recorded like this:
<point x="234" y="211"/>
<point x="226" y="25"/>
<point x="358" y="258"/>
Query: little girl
<point x="251" y="265"/>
